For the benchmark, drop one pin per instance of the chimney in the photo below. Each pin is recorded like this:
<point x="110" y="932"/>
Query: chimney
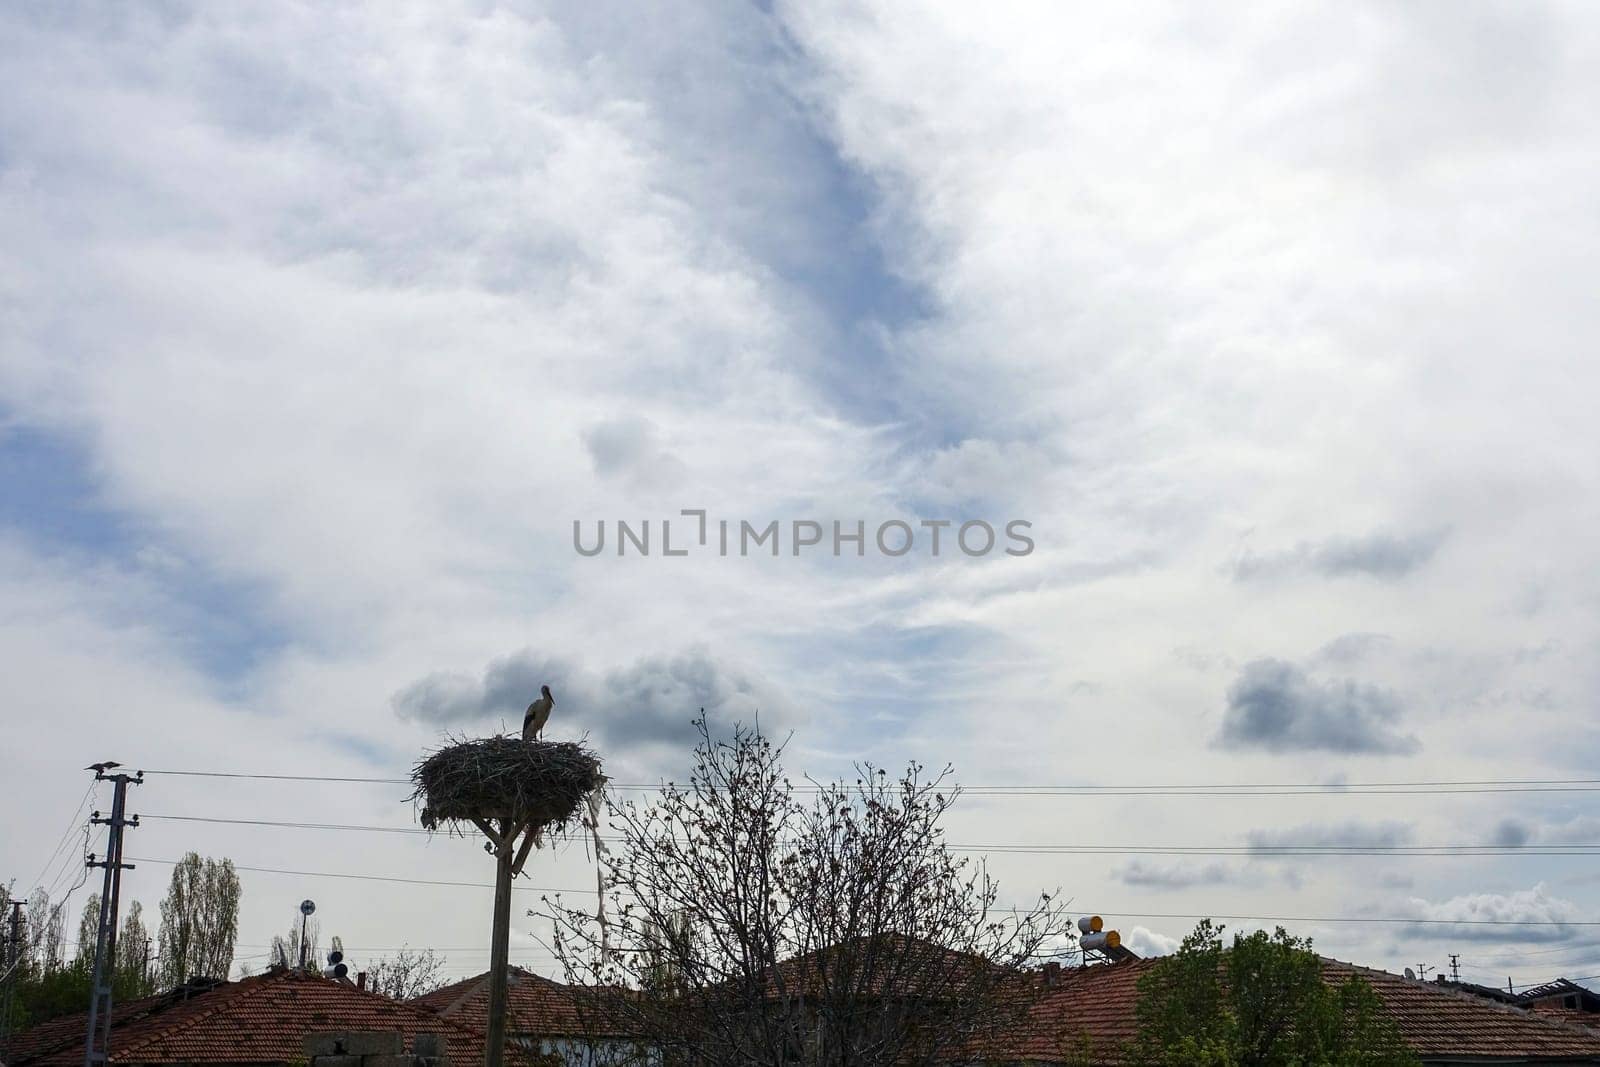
<point x="1052" y="973"/>
<point x="361" y="979"/>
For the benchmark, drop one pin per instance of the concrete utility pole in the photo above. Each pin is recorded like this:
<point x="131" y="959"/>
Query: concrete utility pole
<point x="97" y="1045"/>
<point x="1422" y="971"/>
<point x="13" y="957"/>
<point x="1455" y="967"/>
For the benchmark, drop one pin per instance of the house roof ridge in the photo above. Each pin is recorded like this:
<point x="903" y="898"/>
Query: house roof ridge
<point x="1515" y="1010"/>
<point x="214" y="1000"/>
<point x="470" y="987"/>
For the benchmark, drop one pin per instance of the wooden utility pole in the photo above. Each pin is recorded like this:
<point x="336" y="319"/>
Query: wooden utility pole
<point x="511" y="789"/>
<point x="512" y="840"/>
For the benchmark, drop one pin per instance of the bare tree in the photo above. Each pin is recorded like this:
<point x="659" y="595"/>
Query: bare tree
<point x="199" y="920"/>
<point x="88" y="931"/>
<point x="406" y="975"/>
<point x="49" y="950"/>
<point x="45" y="935"/>
<point x="747" y="927"/>
<point x="286" y="950"/>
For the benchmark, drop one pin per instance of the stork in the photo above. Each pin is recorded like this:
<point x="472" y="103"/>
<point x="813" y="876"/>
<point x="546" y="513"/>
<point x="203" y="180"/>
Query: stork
<point x="537" y="715"/>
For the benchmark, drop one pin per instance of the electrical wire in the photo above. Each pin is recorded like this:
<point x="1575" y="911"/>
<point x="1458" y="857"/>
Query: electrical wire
<point x="1530" y="849"/>
<point x="1487" y="785"/>
<point x="72" y="824"/>
<point x="1107" y="912"/>
<point x="377" y="878"/>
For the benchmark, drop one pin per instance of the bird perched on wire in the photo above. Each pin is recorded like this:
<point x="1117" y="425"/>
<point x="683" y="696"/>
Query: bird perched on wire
<point x="538" y="714"/>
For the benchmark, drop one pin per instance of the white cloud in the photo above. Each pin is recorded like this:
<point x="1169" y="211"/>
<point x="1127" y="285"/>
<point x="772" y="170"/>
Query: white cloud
<point x="354" y="313"/>
<point x="1495" y="916"/>
<point x="1148" y="943"/>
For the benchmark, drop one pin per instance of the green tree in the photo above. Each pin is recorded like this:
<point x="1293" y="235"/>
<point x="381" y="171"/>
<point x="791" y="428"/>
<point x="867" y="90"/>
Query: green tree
<point x="133" y="951"/>
<point x="199" y="920"/>
<point x="88" y="931"/>
<point x="1260" y="1002"/>
<point x="42" y="986"/>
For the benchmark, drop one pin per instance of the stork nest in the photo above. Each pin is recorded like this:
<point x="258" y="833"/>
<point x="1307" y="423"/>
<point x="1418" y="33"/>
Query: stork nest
<point x="542" y="783"/>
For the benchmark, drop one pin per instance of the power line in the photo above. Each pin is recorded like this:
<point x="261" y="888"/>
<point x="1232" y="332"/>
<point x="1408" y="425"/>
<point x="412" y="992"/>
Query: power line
<point x="1106" y="912"/>
<point x="1343" y="919"/>
<point x="1547" y="981"/>
<point x="382" y="878"/>
<point x="72" y="824"/>
<point x="1487" y="785"/>
<point x="1498" y="957"/>
<point x="295" y="825"/>
<point x="1530" y="849"/>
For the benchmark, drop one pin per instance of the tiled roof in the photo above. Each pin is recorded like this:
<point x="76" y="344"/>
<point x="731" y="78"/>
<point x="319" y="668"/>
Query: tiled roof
<point x="535" y="1006"/>
<point x="71" y="1029"/>
<point x="1574" y="1016"/>
<point x="901" y="962"/>
<point x="1085" y="1010"/>
<point x="1093" y="1010"/>
<point x="264" y="1019"/>
<point x="1438" y="1021"/>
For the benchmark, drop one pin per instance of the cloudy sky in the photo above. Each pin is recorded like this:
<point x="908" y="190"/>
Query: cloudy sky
<point x="320" y="328"/>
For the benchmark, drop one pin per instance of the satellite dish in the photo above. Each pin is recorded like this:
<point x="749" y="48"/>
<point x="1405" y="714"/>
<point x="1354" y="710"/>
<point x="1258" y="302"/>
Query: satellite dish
<point x="1411" y="974"/>
<point x="307" y="907"/>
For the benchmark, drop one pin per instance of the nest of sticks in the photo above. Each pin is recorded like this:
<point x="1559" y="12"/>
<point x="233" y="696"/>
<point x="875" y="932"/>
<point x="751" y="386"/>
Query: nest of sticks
<point x="540" y="783"/>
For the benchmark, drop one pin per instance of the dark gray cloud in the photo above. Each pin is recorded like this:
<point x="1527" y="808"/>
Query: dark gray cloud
<point x="1385" y="556"/>
<point x="1352" y="834"/>
<point x="650" y="701"/>
<point x="1510" y="833"/>
<point x="1514" y="832"/>
<point x="1172" y="876"/>
<point x="630" y="448"/>
<point x="1276" y="706"/>
<point x="654" y="699"/>
<point x="504" y="688"/>
<point x="1353" y="647"/>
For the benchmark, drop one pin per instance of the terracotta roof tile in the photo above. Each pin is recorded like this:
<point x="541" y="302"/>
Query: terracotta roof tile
<point x="264" y="1019"/>
<point x="906" y="962"/>
<point x="535" y="1005"/>
<point x="1436" y="1020"/>
<point x="1095" y="1008"/>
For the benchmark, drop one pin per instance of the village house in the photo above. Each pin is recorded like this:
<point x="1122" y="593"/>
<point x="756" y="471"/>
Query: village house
<point x="1087" y="1015"/>
<point x="543" y="1018"/>
<point x="1560" y="999"/>
<point x="262" y="1021"/>
<point x="1084" y="1016"/>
